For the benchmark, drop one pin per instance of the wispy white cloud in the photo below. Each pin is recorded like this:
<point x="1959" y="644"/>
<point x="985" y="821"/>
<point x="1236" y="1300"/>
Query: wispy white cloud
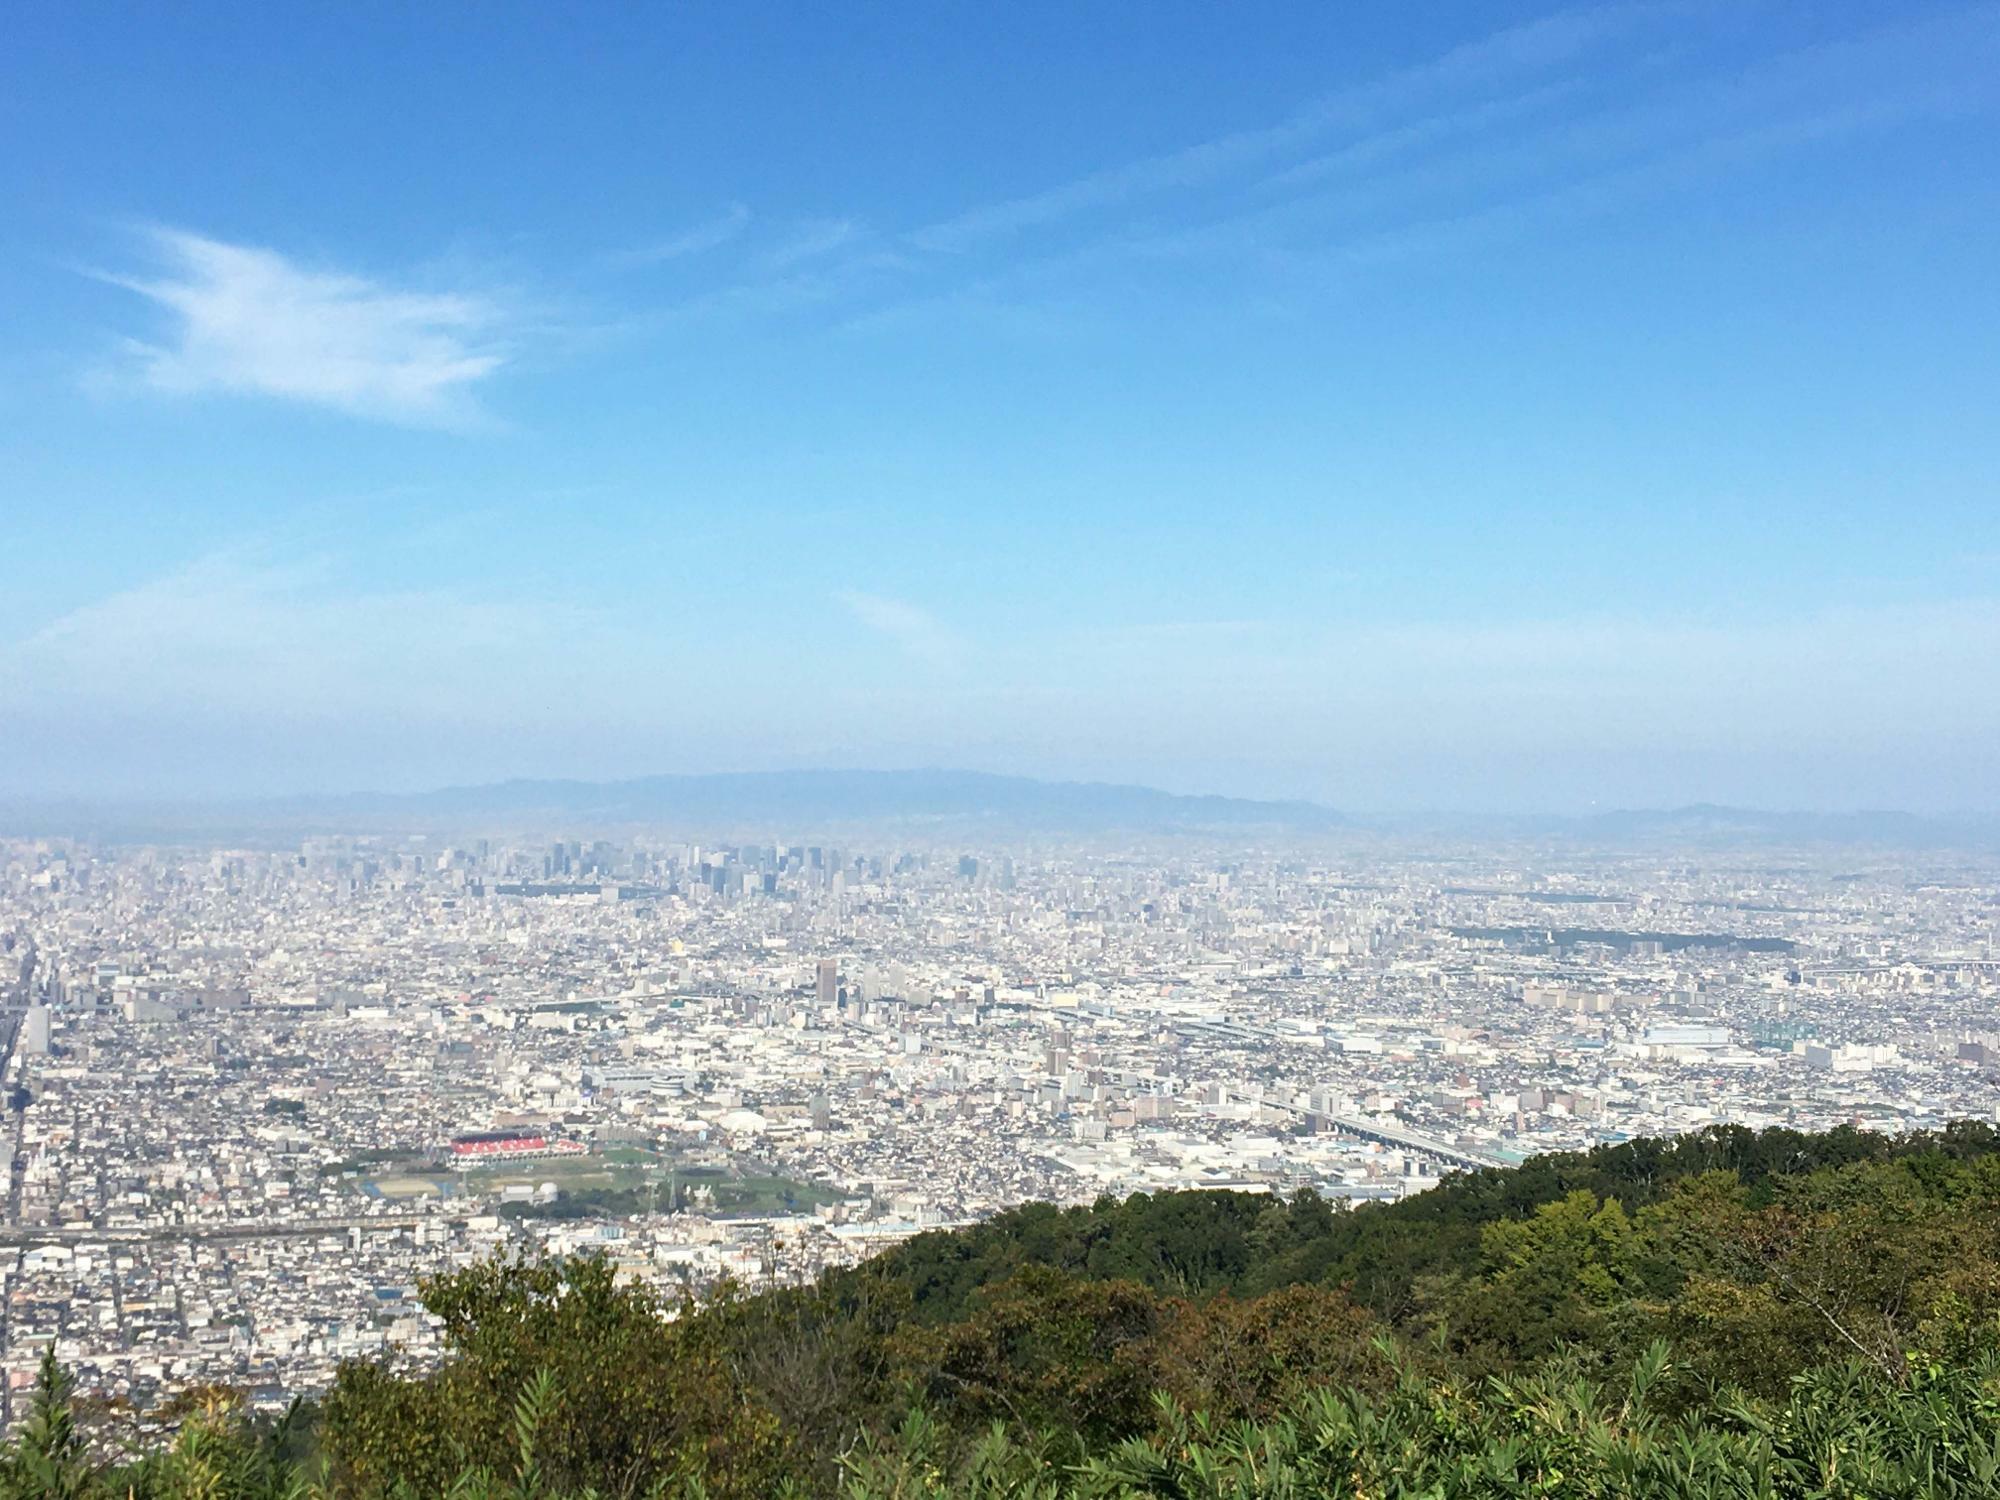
<point x="710" y="234"/>
<point x="915" y="631"/>
<point x="250" y="321"/>
<point x="1351" y="204"/>
<point x="267" y="634"/>
<point x="263" y="667"/>
<point x="1511" y="73"/>
<point x="1610" y="159"/>
<point x="1579" y="112"/>
<point x="1379" y="148"/>
<point x="813" y="239"/>
<point x="1516" y="52"/>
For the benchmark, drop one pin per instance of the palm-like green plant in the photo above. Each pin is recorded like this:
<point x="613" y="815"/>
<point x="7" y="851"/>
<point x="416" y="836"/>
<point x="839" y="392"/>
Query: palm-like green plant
<point x="48" y="1459"/>
<point x="1843" y="1431"/>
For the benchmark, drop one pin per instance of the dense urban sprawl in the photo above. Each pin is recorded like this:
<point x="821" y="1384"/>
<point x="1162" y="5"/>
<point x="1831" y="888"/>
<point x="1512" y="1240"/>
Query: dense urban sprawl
<point x="252" y="1095"/>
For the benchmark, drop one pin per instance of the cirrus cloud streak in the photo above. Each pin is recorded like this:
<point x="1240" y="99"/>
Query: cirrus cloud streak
<point x="249" y="321"/>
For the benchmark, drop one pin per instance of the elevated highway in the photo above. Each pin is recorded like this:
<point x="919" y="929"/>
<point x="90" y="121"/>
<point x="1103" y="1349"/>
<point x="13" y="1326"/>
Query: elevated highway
<point x="1401" y="1137"/>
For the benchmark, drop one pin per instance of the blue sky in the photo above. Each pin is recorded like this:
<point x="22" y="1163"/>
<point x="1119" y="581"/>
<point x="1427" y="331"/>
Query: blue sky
<point x="1441" y="406"/>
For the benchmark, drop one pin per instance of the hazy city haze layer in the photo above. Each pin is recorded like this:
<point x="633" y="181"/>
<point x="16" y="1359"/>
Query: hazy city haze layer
<point x="1501" y="407"/>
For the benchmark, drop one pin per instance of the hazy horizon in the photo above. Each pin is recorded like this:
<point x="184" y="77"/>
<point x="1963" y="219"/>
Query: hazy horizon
<point x="435" y="803"/>
<point x="1513" y="409"/>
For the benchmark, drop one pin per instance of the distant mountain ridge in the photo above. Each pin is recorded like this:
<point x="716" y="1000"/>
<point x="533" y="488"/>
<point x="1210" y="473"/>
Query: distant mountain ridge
<point x="802" y="798"/>
<point x="793" y="803"/>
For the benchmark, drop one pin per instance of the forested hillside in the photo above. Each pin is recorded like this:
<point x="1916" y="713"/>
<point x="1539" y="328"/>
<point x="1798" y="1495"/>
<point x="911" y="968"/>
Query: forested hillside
<point x="1727" y="1314"/>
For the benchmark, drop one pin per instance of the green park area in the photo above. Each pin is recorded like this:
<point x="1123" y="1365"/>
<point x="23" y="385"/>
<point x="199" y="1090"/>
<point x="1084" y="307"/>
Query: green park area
<point x="615" y="1182"/>
<point x="400" y="1187"/>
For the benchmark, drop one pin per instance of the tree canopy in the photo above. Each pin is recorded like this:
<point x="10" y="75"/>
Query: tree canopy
<point x="1731" y="1313"/>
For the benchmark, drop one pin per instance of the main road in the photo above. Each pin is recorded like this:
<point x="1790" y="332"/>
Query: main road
<point x="25" y="1235"/>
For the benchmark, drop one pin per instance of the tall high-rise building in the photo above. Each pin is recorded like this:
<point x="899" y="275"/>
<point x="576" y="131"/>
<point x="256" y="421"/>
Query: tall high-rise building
<point x="829" y="982"/>
<point x="35" y="1031"/>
